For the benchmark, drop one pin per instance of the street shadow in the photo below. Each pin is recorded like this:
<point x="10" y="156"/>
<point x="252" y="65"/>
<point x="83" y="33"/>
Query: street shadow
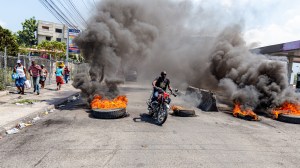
<point x="13" y="92"/>
<point x="144" y="117"/>
<point x="50" y="89"/>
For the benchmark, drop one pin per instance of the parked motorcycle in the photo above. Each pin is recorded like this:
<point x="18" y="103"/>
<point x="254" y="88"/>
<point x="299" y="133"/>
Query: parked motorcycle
<point x="158" y="109"/>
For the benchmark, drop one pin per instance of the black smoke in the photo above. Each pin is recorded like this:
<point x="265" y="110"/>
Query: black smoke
<point x="200" y="45"/>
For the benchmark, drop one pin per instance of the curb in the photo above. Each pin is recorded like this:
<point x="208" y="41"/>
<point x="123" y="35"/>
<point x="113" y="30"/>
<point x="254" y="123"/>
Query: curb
<point x="29" y="117"/>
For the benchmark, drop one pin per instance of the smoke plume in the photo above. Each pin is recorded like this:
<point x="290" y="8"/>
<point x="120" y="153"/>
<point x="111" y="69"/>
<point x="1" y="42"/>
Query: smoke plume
<point x="200" y="45"/>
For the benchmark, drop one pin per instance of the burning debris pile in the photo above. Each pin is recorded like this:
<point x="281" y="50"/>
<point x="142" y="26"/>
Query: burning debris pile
<point x="116" y="37"/>
<point x="156" y="35"/>
<point x="182" y="111"/>
<point x="102" y="103"/>
<point x="287" y="109"/>
<point x="246" y="113"/>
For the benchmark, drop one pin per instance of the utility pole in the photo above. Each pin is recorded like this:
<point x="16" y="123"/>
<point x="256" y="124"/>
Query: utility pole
<point x="5" y="65"/>
<point x="50" y="70"/>
<point x="67" y="50"/>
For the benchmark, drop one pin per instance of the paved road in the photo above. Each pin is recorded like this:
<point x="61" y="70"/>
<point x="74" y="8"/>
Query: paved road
<point x="72" y="138"/>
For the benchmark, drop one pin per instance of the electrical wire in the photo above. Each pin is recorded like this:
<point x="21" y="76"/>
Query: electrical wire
<point x="67" y="13"/>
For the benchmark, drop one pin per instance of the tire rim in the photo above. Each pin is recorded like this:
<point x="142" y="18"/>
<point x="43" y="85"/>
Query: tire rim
<point x="161" y="115"/>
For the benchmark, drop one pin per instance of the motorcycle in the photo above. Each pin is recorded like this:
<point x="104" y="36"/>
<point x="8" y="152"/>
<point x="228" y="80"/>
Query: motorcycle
<point x="158" y="109"/>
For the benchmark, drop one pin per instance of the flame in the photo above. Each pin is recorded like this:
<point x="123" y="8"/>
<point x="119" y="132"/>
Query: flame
<point x="286" y="108"/>
<point x="247" y="112"/>
<point x="104" y="103"/>
<point x="176" y="107"/>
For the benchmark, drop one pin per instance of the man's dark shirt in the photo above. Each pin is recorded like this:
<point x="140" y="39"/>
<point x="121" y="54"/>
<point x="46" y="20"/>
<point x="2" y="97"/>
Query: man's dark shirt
<point x="162" y="83"/>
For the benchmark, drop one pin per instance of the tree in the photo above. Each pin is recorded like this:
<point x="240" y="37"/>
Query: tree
<point x="7" y="39"/>
<point x="27" y="36"/>
<point x="58" y="48"/>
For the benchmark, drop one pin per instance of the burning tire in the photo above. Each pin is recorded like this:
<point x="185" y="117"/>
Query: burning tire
<point x="289" y="118"/>
<point x="184" y="113"/>
<point x="109" y="113"/>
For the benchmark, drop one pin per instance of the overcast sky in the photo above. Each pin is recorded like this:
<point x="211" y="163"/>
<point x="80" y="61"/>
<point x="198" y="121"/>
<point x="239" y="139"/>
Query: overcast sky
<point x="266" y="22"/>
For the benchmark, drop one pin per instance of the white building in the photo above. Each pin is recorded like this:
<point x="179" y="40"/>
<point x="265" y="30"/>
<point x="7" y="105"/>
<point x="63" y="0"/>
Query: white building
<point x="51" y="31"/>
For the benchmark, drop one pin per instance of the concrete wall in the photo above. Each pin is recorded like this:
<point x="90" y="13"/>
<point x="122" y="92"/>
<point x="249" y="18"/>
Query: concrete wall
<point x="48" y="29"/>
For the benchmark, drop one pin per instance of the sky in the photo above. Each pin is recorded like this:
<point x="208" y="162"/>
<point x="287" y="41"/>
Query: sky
<point x="266" y="22"/>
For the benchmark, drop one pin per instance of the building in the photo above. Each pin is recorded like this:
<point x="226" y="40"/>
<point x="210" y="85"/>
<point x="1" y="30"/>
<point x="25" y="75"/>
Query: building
<point x="290" y="50"/>
<point x="51" y="31"/>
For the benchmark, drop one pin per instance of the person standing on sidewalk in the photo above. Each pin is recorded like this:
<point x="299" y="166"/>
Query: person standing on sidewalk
<point x="35" y="71"/>
<point x="66" y="74"/>
<point x="44" y="74"/>
<point x="20" y="81"/>
<point x="59" y="77"/>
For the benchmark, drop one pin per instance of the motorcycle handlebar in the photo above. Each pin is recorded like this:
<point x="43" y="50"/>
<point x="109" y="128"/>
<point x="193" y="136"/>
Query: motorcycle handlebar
<point x="161" y="90"/>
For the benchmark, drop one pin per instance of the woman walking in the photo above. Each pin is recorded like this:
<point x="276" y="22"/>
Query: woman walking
<point x="20" y="81"/>
<point x="44" y="74"/>
<point x="59" y="77"/>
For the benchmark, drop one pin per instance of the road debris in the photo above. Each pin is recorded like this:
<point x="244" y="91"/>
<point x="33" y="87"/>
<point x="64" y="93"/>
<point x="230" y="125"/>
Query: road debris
<point x="60" y="106"/>
<point x="21" y="125"/>
<point x="12" y="131"/>
<point x="73" y="98"/>
<point x="36" y="119"/>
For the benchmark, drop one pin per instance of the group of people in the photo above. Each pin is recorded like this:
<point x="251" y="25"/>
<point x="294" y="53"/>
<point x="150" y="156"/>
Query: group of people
<point x="39" y="75"/>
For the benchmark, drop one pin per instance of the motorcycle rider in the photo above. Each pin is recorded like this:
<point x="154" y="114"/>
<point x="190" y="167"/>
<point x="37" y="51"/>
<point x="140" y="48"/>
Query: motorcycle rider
<point x="160" y="84"/>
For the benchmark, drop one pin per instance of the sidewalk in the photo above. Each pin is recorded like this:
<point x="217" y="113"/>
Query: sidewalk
<point x="13" y="110"/>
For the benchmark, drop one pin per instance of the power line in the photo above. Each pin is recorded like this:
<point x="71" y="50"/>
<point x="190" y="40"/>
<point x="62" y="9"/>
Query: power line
<point x="77" y="12"/>
<point x="85" y="5"/>
<point x="60" y="12"/>
<point x="66" y="13"/>
<point x="69" y="13"/>
<point x="52" y="11"/>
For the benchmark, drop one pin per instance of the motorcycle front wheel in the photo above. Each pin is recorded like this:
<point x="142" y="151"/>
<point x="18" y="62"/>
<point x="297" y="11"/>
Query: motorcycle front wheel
<point x="162" y="115"/>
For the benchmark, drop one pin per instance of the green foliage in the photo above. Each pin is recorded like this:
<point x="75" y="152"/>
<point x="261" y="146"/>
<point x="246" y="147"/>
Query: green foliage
<point x="27" y="101"/>
<point x="5" y="78"/>
<point x="58" y="48"/>
<point x="7" y="39"/>
<point x="27" y="36"/>
<point x="76" y="57"/>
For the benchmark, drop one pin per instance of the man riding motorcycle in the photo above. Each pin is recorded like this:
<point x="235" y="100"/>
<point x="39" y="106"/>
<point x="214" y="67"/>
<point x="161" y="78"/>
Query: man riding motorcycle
<point x="161" y="84"/>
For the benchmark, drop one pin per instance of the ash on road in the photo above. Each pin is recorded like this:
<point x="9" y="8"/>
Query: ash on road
<point x="72" y="138"/>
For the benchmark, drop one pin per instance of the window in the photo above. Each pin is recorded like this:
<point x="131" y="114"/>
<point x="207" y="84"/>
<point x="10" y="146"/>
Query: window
<point x="48" y="38"/>
<point x="45" y="27"/>
<point x="58" y="30"/>
<point x="58" y="39"/>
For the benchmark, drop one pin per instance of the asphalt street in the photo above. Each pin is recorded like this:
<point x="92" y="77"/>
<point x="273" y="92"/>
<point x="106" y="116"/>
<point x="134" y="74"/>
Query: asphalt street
<point x="71" y="137"/>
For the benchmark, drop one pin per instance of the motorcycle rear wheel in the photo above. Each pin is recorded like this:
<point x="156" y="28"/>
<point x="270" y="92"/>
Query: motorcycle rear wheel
<point x="162" y="115"/>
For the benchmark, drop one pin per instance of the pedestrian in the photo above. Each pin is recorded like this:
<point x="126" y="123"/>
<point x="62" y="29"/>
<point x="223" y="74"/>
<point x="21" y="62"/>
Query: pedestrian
<point x="35" y="71"/>
<point x="44" y="74"/>
<point x="59" y="77"/>
<point x="66" y="74"/>
<point x="20" y="80"/>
